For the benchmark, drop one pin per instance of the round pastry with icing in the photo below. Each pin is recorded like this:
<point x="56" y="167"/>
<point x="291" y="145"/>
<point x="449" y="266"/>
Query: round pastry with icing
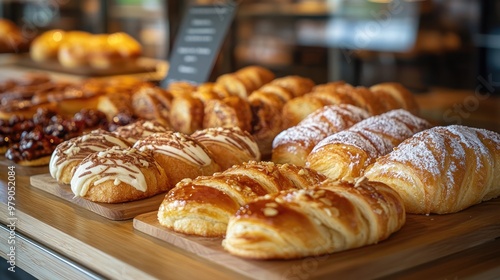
<point x="179" y="154"/>
<point x="69" y="154"/>
<point x="118" y="175"/>
<point x="229" y="145"/>
<point x="139" y="129"/>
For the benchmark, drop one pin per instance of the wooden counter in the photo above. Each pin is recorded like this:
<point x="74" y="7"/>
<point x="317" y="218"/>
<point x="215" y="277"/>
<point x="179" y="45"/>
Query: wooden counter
<point x="57" y="239"/>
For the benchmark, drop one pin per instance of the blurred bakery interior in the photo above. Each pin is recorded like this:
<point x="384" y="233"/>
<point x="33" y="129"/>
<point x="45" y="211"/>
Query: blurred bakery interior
<point x="421" y="44"/>
<point x="446" y="53"/>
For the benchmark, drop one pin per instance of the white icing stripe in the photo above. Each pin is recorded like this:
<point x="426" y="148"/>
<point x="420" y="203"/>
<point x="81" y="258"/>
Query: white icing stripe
<point x="225" y="139"/>
<point x="79" y="148"/>
<point x="175" y="145"/>
<point x="191" y="153"/>
<point x="107" y="169"/>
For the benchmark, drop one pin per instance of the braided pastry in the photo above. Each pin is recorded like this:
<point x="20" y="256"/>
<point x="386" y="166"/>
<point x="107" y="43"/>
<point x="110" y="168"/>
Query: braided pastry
<point x="332" y="217"/>
<point x="443" y="169"/>
<point x="203" y="206"/>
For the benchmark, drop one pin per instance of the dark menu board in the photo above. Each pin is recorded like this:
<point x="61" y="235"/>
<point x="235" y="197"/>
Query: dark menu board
<point x="198" y="42"/>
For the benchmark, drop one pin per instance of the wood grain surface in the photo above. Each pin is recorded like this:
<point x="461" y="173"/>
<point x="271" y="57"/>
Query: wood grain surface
<point x="112" y="211"/>
<point x="422" y="239"/>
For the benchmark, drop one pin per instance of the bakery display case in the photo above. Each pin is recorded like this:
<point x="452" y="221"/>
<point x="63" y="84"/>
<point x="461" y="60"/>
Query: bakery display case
<point x="331" y="139"/>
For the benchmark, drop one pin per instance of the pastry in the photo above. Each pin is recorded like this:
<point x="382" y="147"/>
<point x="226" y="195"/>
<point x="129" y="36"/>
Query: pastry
<point x="186" y="114"/>
<point x="179" y="154"/>
<point x="34" y="148"/>
<point x="228" y="145"/>
<point x="244" y="81"/>
<point x="294" y="144"/>
<point x="118" y="175"/>
<point x="346" y="154"/>
<point x="152" y="103"/>
<point x="139" y="130"/>
<point x="297" y="85"/>
<point x="230" y="111"/>
<point x="203" y="206"/>
<point x="331" y="217"/>
<point x="266" y="119"/>
<point x="400" y="94"/>
<point x="74" y="49"/>
<point x="442" y="170"/>
<point x="46" y="46"/>
<point x="69" y="154"/>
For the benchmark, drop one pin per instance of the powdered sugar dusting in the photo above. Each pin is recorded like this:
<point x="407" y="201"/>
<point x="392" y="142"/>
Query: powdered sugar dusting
<point x="348" y="137"/>
<point x="320" y="124"/>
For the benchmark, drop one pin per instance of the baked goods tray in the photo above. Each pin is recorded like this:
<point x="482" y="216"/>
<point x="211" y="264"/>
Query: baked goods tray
<point x="112" y="211"/>
<point x="421" y="240"/>
<point x="136" y="67"/>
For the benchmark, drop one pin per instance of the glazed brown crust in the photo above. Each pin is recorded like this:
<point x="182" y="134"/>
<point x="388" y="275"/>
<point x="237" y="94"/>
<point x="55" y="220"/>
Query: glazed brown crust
<point x="202" y="206"/>
<point x="332" y="217"/>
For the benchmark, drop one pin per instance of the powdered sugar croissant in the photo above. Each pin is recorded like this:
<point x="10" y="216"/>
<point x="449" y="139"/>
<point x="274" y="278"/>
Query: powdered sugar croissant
<point x="442" y="169"/>
<point x="345" y="155"/>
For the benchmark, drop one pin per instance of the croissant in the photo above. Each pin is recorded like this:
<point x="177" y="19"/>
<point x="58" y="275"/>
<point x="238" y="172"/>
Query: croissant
<point x="152" y="103"/>
<point x="228" y="145"/>
<point x="402" y="96"/>
<point x="346" y="154"/>
<point x="331" y="217"/>
<point x="376" y="100"/>
<point x="230" y="111"/>
<point x="332" y="93"/>
<point x="267" y="123"/>
<point x="294" y="144"/>
<point x="179" y="154"/>
<point x="244" y="81"/>
<point x="186" y="115"/>
<point x="203" y="206"/>
<point x="139" y="129"/>
<point x="297" y="85"/>
<point x="118" y="175"/>
<point x="443" y="169"/>
<point x="69" y="154"/>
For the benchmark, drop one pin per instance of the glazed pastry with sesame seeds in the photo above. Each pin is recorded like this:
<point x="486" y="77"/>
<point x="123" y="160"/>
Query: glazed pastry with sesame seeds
<point x="332" y="217"/>
<point x="203" y="206"/>
<point x="118" y="175"/>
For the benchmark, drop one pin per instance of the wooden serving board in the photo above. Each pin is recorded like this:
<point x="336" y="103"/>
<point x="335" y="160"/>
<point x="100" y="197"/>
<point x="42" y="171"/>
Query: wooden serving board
<point x="113" y="211"/>
<point x="422" y="239"/>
